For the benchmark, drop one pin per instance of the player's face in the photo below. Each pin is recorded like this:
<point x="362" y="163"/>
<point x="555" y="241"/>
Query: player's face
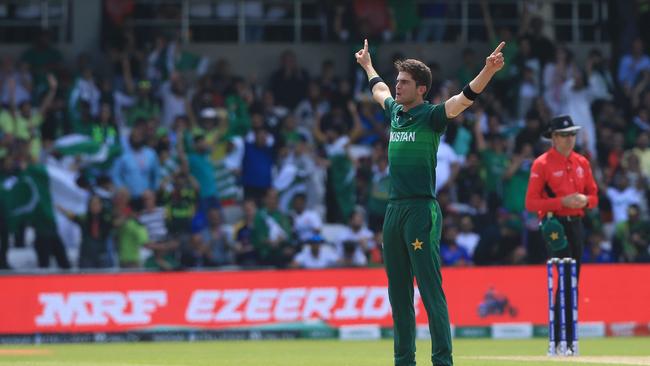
<point x="564" y="141"/>
<point x="405" y="89"/>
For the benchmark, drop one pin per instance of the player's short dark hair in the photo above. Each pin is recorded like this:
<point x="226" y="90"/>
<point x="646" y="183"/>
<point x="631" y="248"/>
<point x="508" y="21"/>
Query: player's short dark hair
<point x="418" y="71"/>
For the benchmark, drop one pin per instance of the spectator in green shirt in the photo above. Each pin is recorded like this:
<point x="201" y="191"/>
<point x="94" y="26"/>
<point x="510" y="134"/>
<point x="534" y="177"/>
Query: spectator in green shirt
<point x="180" y="204"/>
<point x="494" y="162"/>
<point x="22" y="121"/>
<point x="271" y="233"/>
<point x="145" y="106"/>
<point x="516" y="179"/>
<point x="238" y="102"/>
<point x="104" y="129"/>
<point x="130" y="235"/>
<point x="42" y="59"/>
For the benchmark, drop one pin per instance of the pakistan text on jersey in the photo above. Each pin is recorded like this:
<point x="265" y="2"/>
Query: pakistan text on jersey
<point x="402" y="137"/>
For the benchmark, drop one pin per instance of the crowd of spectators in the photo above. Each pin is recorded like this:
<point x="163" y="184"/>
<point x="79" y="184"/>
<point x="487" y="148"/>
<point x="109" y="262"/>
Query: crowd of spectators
<point x="210" y="169"/>
<point x="349" y="20"/>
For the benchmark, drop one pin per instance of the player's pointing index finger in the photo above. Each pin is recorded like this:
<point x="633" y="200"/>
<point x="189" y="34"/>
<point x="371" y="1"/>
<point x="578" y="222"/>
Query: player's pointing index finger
<point x="499" y="47"/>
<point x="365" y="45"/>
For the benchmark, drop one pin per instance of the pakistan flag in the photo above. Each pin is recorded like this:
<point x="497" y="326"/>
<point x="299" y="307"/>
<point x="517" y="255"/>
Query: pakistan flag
<point x="30" y="197"/>
<point x="342" y="174"/>
<point x="77" y="148"/>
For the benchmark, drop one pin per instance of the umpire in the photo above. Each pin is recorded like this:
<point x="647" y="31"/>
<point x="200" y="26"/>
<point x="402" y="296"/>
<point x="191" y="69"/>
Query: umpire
<point x="560" y="188"/>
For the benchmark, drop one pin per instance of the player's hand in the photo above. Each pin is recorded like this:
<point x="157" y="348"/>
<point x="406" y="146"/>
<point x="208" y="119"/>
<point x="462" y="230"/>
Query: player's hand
<point x="569" y="201"/>
<point x="495" y="61"/>
<point x="582" y="200"/>
<point x="363" y="56"/>
<point x="575" y="200"/>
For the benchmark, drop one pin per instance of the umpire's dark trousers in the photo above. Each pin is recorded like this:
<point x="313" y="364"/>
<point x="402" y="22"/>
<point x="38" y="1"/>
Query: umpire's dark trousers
<point x="574" y="230"/>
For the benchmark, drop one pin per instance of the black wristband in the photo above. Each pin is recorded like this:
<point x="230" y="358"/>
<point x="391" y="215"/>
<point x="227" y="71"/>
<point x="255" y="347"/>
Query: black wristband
<point x="374" y="81"/>
<point x="469" y="93"/>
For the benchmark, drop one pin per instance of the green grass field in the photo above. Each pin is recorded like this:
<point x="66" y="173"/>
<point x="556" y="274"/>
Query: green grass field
<point x="607" y="351"/>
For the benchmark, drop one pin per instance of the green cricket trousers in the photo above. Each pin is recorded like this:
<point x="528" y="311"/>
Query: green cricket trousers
<point x="412" y="247"/>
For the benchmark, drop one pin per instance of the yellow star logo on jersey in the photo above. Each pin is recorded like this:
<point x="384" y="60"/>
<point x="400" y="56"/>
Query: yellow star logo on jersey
<point x="555" y="236"/>
<point x="417" y="244"/>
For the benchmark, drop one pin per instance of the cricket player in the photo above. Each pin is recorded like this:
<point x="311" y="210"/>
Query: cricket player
<point x="413" y="218"/>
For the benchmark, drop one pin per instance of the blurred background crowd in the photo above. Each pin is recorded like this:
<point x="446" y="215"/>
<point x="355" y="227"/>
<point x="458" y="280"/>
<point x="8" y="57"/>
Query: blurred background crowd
<point x="180" y="163"/>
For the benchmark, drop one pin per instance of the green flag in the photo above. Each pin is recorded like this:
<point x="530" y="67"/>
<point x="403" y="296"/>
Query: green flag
<point x="27" y="199"/>
<point x="342" y="174"/>
<point x="81" y="145"/>
<point x="90" y="151"/>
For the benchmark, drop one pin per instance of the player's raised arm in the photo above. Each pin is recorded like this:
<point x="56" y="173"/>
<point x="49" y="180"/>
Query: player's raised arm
<point x="459" y="102"/>
<point x="380" y="90"/>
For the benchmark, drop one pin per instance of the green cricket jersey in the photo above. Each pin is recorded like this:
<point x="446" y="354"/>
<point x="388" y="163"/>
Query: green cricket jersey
<point x="414" y="139"/>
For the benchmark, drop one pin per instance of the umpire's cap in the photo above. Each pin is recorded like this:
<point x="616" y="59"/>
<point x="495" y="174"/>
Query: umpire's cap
<point x="560" y="124"/>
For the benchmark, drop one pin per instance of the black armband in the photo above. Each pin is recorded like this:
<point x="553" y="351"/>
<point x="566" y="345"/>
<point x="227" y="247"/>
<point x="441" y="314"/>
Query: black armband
<point x="469" y="93"/>
<point x="374" y="81"/>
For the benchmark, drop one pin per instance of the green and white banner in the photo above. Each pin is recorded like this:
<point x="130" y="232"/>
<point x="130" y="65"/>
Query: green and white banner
<point x="30" y="197"/>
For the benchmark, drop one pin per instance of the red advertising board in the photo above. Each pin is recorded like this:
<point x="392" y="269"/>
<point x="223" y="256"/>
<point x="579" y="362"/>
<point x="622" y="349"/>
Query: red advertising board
<point x="218" y="300"/>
